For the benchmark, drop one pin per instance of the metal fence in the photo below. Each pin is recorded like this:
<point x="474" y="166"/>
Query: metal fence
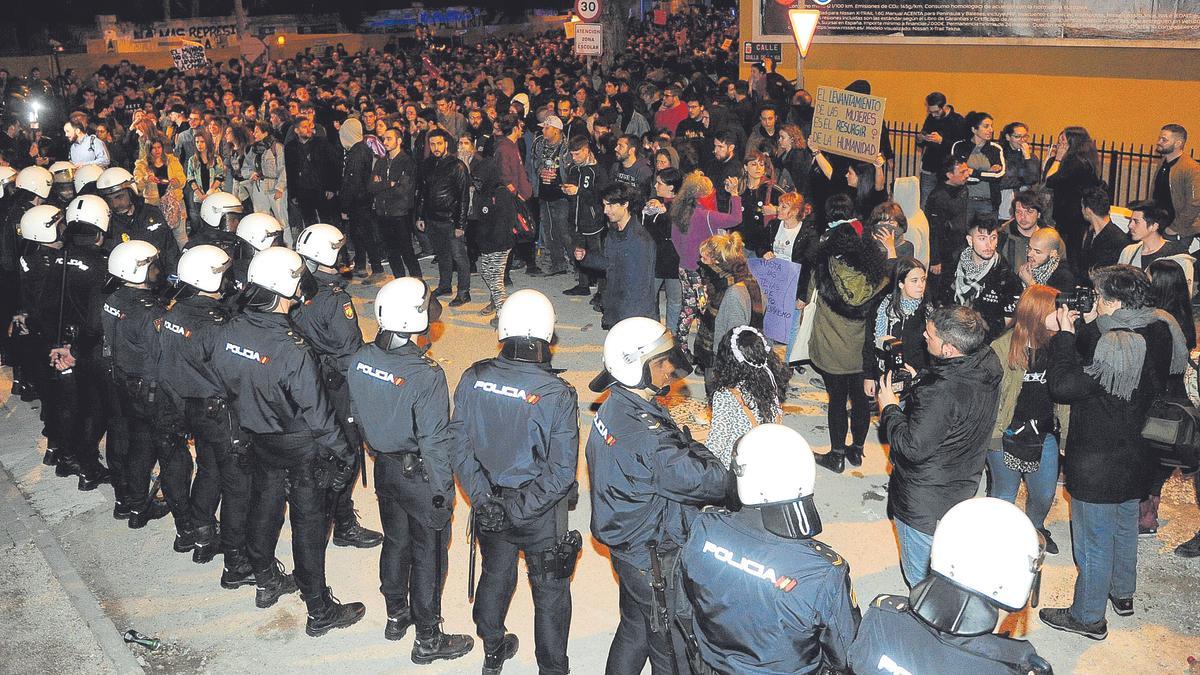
<point x="1128" y="169"/>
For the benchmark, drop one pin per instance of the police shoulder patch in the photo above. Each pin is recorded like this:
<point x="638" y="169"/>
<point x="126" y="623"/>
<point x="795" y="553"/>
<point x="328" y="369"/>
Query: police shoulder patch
<point x="651" y="423"/>
<point x="216" y="316"/>
<point x="348" y="310"/>
<point x="828" y="553"/>
<point x="297" y="339"/>
<point x="891" y="603"/>
<point x="719" y="510"/>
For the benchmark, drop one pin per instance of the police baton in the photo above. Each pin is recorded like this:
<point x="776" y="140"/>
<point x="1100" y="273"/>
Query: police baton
<point x="471" y="546"/>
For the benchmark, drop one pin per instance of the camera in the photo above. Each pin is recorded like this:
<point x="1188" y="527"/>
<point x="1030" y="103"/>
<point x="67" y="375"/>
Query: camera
<point x="890" y="352"/>
<point x="1081" y="299"/>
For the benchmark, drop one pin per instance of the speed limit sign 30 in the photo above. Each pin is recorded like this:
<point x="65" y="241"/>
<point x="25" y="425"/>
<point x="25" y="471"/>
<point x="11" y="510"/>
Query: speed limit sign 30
<point x="588" y="11"/>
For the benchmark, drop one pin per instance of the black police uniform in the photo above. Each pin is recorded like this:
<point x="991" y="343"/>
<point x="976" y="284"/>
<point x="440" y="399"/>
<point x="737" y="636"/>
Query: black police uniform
<point x="401" y="400"/>
<point x="11" y="247"/>
<point x="648" y="480"/>
<point x="88" y="408"/>
<point x="146" y="223"/>
<point x="517" y="430"/>
<point x="329" y="324"/>
<point x="190" y="336"/>
<point x="893" y="639"/>
<point x="131" y="317"/>
<point x="270" y="374"/>
<point x="30" y="352"/>
<point x="763" y="603"/>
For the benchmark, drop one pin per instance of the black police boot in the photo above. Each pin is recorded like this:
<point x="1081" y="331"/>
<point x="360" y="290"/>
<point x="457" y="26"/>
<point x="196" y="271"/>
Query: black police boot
<point x="238" y="571"/>
<point x="153" y="511"/>
<point x="398" y="620"/>
<point x="493" y="659"/>
<point x="350" y="533"/>
<point x="854" y="455"/>
<point x="121" y="510"/>
<point x="834" y="460"/>
<point x="272" y="584"/>
<point x="67" y="466"/>
<point x="185" y="540"/>
<point x="90" y="480"/>
<point x="51" y="457"/>
<point x="432" y="644"/>
<point x="206" y="544"/>
<point x="325" y="613"/>
<point x="460" y="299"/>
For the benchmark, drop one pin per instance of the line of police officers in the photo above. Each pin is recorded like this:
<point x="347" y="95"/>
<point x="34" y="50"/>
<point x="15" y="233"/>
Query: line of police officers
<point x="253" y="351"/>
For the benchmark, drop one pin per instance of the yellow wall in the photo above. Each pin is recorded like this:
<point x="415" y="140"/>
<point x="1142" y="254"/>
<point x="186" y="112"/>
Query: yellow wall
<point x="1121" y="94"/>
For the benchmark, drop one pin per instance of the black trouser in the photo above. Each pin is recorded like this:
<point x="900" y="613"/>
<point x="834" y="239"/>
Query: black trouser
<point x="311" y="204"/>
<point x="551" y="597"/>
<point x="364" y="234"/>
<point x="222" y="474"/>
<point x="841" y="388"/>
<point x="635" y="641"/>
<point x="283" y="476"/>
<point x="339" y="396"/>
<point x="451" y="252"/>
<point x="412" y="564"/>
<point x="154" y="439"/>
<point x="88" y="409"/>
<point x="592" y="243"/>
<point x="397" y="233"/>
<point x="10" y="281"/>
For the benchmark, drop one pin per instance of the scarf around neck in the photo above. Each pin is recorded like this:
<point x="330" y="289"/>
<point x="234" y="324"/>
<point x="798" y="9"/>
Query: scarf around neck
<point x="906" y="309"/>
<point x="968" y="277"/>
<point x="1041" y="273"/>
<point x="1120" y="353"/>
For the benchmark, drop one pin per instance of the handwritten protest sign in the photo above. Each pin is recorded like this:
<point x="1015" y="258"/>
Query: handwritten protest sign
<point x="777" y="278"/>
<point x="847" y="123"/>
<point x="189" y="57"/>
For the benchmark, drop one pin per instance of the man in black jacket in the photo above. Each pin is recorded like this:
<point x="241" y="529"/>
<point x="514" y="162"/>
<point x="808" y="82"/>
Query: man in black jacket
<point x="311" y="172"/>
<point x="586" y="180"/>
<point x="983" y="279"/>
<point x="442" y="201"/>
<point x="941" y="128"/>
<point x="949" y="212"/>
<point x="394" y="186"/>
<point x="1103" y="240"/>
<point x="356" y="200"/>
<point x="939" y="439"/>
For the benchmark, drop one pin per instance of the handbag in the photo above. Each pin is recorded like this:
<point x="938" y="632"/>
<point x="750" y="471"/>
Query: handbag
<point x="1172" y="430"/>
<point x="1025" y="442"/>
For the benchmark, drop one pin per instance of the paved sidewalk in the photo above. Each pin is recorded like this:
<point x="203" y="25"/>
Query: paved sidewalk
<point x="140" y="583"/>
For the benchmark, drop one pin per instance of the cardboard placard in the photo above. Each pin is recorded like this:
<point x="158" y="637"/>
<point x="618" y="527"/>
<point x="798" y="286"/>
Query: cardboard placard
<point x="778" y="279"/>
<point x="847" y="123"/>
<point x="189" y="57"/>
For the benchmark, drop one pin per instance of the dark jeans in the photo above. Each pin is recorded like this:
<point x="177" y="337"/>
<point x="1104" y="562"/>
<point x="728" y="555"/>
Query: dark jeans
<point x="397" y="233"/>
<point x="151" y="441"/>
<point x="556" y="232"/>
<point x="221" y="475"/>
<point x="311" y="205"/>
<point x="840" y="389"/>
<point x="283" y="476"/>
<point x="634" y="641"/>
<point x="551" y="597"/>
<point x="412" y="564"/>
<point x="451" y="252"/>
<point x="364" y="234"/>
<point x="1104" y="541"/>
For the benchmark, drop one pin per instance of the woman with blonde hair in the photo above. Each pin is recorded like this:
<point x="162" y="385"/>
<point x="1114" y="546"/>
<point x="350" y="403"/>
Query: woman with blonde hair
<point x="734" y="297"/>
<point x="694" y="218"/>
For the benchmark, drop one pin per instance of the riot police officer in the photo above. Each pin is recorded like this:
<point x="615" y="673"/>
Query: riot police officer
<point x="400" y="398"/>
<point x="330" y="325"/>
<point x="82" y="381"/>
<point x="765" y="594"/>
<point x="31" y="187"/>
<point x="131" y="318"/>
<point x="257" y="232"/>
<point x="986" y="556"/>
<point x="86" y="177"/>
<point x="299" y="451"/>
<point x="189" y="335"/>
<point x="7" y="176"/>
<point x="41" y="228"/>
<point x="649" y="479"/>
<point x="62" y="176"/>
<point x="133" y="218"/>
<point x="517" y="425"/>
<point x="221" y="213"/>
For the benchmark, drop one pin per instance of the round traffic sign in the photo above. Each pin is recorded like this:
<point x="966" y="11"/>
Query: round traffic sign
<point x="588" y="11"/>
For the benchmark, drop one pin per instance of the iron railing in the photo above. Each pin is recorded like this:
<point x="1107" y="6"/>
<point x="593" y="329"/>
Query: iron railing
<point x="1127" y="168"/>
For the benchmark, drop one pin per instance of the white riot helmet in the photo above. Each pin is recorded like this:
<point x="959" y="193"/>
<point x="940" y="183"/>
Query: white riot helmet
<point x="259" y="230"/>
<point x="35" y="179"/>
<point x="113" y="180"/>
<point x="630" y="346"/>
<point x="279" y="270"/>
<point x="215" y="206"/>
<point x="130" y="261"/>
<point x="526" y="313"/>
<point x="404" y="306"/>
<point x="203" y="267"/>
<point x="776" y="474"/>
<point x="986" y="554"/>
<point x="62" y="172"/>
<point x="86" y="175"/>
<point x="7" y="176"/>
<point x="42" y="224"/>
<point x="89" y="209"/>
<point x="320" y="243"/>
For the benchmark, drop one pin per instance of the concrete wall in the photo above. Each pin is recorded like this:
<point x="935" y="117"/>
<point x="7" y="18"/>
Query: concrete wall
<point x="1121" y="94"/>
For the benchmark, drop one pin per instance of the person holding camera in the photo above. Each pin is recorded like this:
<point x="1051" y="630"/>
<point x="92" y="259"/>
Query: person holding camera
<point x="1108" y="465"/>
<point x="895" y="335"/>
<point x="939" y="439"/>
<point x="1024" y="441"/>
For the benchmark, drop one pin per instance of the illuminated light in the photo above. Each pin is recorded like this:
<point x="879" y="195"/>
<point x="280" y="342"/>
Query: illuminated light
<point x="280" y="40"/>
<point x="804" y="27"/>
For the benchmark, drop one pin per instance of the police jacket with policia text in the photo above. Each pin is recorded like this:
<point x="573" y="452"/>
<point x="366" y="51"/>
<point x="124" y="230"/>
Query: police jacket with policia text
<point x="130" y="320"/>
<point x="765" y="604"/>
<point x="516" y="425"/>
<point x="76" y="277"/>
<point x="587" y="211"/>
<point x="893" y="639"/>
<point x="648" y="478"/>
<point x="402" y="404"/>
<point x="329" y="323"/>
<point x="190" y="334"/>
<point x="147" y="224"/>
<point x="271" y="376"/>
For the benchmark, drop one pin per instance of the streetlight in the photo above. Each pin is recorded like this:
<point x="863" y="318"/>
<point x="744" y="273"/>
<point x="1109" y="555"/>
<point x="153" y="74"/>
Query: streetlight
<point x="804" y="26"/>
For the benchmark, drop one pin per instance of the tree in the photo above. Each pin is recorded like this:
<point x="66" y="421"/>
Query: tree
<point x="615" y="17"/>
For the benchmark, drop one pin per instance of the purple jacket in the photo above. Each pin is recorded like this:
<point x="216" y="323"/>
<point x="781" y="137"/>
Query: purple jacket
<point x="705" y="223"/>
